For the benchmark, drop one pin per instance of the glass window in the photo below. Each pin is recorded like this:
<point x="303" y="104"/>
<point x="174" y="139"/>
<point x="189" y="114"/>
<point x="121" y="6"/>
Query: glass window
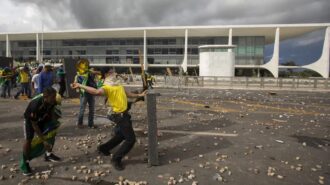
<point x="150" y="41"/>
<point x="115" y="42"/>
<point x="33" y="52"/>
<point x="194" y="51"/>
<point x="241" y="51"/>
<point x="151" y="51"/>
<point x="172" y="51"/>
<point x="164" y="51"/>
<point x="122" y="42"/>
<point x="165" y="42"/>
<point x="138" y="42"/>
<point x="210" y="41"/>
<point x="129" y="42"/>
<point x="259" y="51"/>
<point x="171" y="41"/>
<point x="128" y="51"/>
<point x="179" y="51"/>
<point x="47" y="52"/>
<point x="158" y="51"/>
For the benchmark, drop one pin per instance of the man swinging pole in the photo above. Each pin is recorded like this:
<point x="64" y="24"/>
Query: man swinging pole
<point x="117" y="100"/>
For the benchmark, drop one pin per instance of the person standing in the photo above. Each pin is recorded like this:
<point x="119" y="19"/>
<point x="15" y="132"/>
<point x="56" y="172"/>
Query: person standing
<point x="6" y="86"/>
<point x="35" y="81"/>
<point x="24" y="78"/>
<point x="61" y="80"/>
<point x="117" y="100"/>
<point x="85" y="77"/>
<point x="46" y="78"/>
<point x="150" y="80"/>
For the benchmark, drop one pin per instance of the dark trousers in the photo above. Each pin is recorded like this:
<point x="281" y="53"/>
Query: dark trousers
<point x="25" y="88"/>
<point x="123" y="132"/>
<point x="90" y="99"/>
<point x="62" y="88"/>
<point x="6" y="89"/>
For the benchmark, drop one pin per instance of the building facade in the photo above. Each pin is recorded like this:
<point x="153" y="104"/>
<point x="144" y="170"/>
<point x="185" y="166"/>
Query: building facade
<point x="159" y="47"/>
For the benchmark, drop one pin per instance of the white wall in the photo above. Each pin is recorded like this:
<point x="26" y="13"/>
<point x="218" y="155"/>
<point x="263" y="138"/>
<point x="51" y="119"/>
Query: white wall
<point x="216" y="64"/>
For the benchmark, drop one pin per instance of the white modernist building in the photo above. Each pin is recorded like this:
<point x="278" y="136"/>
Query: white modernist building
<point x="214" y="50"/>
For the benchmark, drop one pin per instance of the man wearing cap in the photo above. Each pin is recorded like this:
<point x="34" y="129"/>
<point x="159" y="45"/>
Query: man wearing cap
<point x="35" y="80"/>
<point x="46" y="78"/>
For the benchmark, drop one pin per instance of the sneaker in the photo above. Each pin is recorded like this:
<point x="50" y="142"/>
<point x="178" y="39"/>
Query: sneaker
<point x="27" y="170"/>
<point x="117" y="165"/>
<point x="52" y="157"/>
<point x="103" y="152"/>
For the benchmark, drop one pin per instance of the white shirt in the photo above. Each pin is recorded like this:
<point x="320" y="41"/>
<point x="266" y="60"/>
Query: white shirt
<point x="35" y="80"/>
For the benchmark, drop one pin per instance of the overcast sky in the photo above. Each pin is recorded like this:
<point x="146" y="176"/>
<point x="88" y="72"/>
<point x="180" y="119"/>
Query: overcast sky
<point x="49" y="15"/>
<point x="30" y="15"/>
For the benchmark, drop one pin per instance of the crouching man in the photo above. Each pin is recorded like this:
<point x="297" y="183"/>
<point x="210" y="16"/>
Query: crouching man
<point x="40" y="118"/>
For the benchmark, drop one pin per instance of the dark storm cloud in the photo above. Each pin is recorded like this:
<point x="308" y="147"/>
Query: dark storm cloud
<point x="131" y="13"/>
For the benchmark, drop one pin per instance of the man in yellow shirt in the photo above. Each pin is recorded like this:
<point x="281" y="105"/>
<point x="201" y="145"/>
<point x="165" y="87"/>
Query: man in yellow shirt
<point x="24" y="79"/>
<point x="117" y="99"/>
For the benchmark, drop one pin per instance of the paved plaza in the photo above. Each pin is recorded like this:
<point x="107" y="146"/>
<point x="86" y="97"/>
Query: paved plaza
<point x="206" y="137"/>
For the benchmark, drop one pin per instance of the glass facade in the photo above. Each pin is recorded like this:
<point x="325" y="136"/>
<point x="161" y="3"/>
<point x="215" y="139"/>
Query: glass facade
<point x="126" y="50"/>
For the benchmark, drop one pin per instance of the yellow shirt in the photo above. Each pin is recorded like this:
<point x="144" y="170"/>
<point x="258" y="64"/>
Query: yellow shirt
<point x="117" y="98"/>
<point x="24" y="77"/>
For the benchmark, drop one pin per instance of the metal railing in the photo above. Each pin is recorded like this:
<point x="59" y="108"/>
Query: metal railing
<point x="241" y="82"/>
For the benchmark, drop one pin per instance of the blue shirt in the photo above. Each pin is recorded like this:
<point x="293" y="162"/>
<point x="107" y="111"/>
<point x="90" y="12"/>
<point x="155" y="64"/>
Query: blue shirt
<point x="46" y="79"/>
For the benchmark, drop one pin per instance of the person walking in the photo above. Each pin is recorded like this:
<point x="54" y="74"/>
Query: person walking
<point x="117" y="100"/>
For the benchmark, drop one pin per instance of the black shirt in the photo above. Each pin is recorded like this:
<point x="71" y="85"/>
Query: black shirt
<point x="38" y="110"/>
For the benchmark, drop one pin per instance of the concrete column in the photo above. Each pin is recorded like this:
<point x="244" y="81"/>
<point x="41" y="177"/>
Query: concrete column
<point x="41" y="52"/>
<point x="37" y="48"/>
<point x="8" y="50"/>
<point x="230" y="39"/>
<point x="185" y="56"/>
<point x="145" y="61"/>
<point x="152" y="128"/>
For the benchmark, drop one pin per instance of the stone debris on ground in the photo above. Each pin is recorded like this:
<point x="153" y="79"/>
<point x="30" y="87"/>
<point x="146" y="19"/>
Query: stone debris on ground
<point x="278" y="138"/>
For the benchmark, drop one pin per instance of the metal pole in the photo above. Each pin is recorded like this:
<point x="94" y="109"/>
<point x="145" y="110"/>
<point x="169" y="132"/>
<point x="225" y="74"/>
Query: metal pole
<point x="152" y="128"/>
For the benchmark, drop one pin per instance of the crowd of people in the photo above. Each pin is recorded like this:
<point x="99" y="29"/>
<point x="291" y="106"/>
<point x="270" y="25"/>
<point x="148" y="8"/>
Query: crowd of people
<point x="42" y="112"/>
<point x="29" y="81"/>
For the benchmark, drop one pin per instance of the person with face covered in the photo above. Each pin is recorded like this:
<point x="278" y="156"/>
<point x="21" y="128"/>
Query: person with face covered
<point x="38" y="112"/>
<point x="124" y="133"/>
